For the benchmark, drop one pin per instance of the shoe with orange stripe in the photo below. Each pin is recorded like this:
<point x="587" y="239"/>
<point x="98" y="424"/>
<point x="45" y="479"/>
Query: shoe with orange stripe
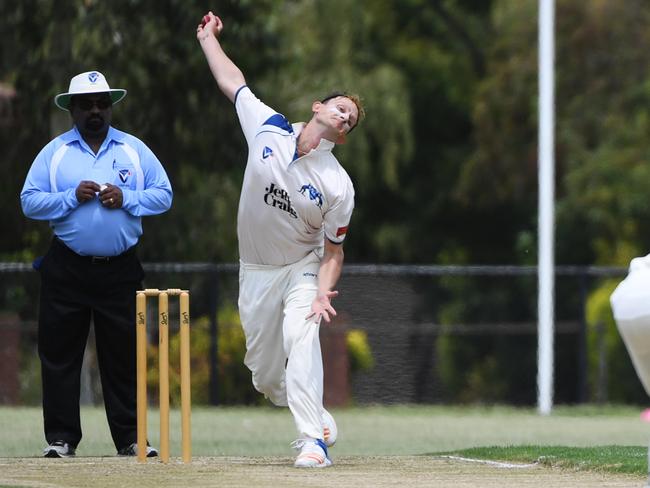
<point x="313" y="453"/>
<point x="330" y="431"/>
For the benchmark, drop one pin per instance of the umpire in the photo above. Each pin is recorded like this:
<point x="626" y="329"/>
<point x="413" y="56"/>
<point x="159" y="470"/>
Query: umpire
<point x="93" y="184"/>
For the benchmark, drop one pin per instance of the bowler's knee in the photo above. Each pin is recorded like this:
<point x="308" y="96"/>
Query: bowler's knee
<point x="272" y="388"/>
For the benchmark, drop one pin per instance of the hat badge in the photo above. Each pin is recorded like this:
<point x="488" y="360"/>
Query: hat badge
<point x="93" y="77"/>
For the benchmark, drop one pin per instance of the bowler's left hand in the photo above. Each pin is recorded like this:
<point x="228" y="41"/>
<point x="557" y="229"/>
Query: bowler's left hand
<point x="111" y="196"/>
<point x="322" y="307"/>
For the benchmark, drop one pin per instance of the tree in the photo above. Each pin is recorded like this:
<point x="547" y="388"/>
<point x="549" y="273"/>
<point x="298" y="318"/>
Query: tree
<point x="602" y="129"/>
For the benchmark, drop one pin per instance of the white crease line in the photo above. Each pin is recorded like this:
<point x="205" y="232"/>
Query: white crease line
<point x="491" y="463"/>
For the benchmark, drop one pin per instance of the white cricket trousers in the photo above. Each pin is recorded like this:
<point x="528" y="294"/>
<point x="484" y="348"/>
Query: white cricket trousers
<point x="282" y="346"/>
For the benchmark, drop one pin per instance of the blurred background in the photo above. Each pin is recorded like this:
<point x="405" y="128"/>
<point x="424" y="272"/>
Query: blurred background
<point x="439" y="294"/>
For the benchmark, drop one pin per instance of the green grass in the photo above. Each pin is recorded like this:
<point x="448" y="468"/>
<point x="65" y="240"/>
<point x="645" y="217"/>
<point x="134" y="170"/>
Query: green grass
<point x="609" y="438"/>
<point x="609" y="459"/>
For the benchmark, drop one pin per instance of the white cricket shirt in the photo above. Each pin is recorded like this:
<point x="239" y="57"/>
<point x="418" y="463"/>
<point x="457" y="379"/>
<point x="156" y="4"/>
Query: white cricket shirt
<point x="288" y="205"/>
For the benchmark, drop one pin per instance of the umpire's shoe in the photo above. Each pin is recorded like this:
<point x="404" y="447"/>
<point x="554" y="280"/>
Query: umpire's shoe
<point x="132" y="450"/>
<point x="58" y="449"/>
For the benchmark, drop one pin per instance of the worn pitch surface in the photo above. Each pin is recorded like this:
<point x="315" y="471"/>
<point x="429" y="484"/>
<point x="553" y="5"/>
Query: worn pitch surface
<point x="348" y="471"/>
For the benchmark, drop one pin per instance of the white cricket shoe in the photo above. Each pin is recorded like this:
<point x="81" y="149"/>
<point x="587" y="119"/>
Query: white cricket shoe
<point x="313" y="453"/>
<point x="330" y="431"/>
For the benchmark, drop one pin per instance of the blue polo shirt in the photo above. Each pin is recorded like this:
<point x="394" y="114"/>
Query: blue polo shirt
<point x="89" y="228"/>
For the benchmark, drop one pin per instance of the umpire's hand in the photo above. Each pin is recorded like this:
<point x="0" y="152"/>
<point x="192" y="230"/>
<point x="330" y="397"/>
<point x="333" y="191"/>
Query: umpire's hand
<point x="86" y="191"/>
<point x="111" y="196"/>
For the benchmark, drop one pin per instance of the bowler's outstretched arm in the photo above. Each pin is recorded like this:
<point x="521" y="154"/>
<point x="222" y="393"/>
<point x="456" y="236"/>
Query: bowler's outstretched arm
<point x="228" y="76"/>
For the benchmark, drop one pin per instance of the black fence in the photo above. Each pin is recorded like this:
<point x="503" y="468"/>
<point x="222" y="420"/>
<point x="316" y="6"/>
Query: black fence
<point x="437" y="334"/>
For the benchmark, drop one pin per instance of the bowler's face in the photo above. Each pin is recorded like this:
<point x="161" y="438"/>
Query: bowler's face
<point x="92" y="114"/>
<point x="343" y="113"/>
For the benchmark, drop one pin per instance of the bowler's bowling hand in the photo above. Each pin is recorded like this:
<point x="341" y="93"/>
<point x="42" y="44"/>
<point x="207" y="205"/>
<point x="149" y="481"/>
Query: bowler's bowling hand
<point x="210" y="24"/>
<point x="322" y="307"/>
<point x="111" y="196"/>
<point x="86" y="191"/>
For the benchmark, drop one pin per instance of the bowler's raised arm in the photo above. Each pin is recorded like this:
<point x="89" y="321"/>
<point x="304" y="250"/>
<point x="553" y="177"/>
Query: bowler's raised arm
<point x="228" y="76"/>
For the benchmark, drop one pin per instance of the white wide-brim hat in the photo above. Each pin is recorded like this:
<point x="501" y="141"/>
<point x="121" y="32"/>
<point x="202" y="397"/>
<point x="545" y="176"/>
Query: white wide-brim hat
<point x="85" y="83"/>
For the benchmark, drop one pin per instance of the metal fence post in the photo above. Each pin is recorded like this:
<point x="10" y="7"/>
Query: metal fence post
<point x="582" y="342"/>
<point x="214" y="338"/>
<point x="602" y="389"/>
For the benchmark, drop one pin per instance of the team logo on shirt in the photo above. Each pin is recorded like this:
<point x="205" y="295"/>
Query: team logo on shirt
<point x="124" y="174"/>
<point x="267" y="152"/>
<point x="341" y="231"/>
<point x="279" y="198"/>
<point x="313" y="193"/>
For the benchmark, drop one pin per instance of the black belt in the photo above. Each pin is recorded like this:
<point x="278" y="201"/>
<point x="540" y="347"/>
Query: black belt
<point x="60" y="245"/>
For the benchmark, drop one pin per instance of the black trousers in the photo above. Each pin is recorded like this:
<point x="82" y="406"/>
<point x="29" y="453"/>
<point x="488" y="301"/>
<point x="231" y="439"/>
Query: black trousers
<point x="75" y="289"/>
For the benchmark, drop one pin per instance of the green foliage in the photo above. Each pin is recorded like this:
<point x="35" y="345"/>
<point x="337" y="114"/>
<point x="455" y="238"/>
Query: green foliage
<point x="472" y="374"/>
<point x="359" y="351"/>
<point x="605" y="344"/>
<point x="602" y="126"/>
<point x="497" y="183"/>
